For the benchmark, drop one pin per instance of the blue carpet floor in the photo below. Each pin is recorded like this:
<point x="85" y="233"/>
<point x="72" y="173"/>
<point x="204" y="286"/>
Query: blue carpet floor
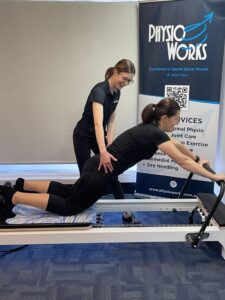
<point x="134" y="271"/>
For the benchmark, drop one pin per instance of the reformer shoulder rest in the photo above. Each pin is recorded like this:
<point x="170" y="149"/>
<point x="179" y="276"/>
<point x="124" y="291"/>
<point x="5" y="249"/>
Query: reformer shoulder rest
<point x="208" y="201"/>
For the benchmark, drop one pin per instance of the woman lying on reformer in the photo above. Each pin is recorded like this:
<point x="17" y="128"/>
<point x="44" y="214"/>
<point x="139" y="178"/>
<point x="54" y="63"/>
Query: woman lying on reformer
<point x="130" y="147"/>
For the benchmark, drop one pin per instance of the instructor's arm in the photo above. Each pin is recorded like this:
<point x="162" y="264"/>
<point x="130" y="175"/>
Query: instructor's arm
<point x="105" y="157"/>
<point x="111" y="128"/>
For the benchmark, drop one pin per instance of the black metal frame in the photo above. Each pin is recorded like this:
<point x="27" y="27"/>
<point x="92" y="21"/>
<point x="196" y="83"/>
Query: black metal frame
<point x="195" y="238"/>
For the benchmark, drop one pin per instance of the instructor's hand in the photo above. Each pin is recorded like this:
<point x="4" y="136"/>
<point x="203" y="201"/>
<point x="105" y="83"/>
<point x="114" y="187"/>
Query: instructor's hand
<point x="105" y="161"/>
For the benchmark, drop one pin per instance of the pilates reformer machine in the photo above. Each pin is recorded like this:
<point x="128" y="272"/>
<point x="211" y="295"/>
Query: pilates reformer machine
<point x="208" y="206"/>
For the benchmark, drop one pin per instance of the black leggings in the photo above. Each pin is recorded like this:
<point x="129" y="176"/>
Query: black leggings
<point x="82" y="148"/>
<point x="84" y="193"/>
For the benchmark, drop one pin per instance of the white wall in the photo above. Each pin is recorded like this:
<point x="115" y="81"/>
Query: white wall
<point x="51" y="54"/>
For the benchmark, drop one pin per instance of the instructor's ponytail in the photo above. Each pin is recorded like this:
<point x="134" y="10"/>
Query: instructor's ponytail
<point x="109" y="72"/>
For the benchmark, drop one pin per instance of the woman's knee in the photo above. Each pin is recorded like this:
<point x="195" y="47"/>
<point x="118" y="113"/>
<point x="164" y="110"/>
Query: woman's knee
<point x="59" y="189"/>
<point x="60" y="206"/>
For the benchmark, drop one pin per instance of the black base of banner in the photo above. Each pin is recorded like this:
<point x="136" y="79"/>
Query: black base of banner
<point x="170" y="187"/>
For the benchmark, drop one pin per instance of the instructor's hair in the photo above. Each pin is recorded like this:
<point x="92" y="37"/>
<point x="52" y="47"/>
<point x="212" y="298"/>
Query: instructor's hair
<point x="124" y="65"/>
<point x="154" y="112"/>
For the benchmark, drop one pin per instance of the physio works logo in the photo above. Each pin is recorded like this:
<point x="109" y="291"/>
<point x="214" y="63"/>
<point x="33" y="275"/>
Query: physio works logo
<point x="183" y="43"/>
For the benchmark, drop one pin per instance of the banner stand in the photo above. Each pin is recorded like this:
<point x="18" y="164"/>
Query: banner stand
<point x="181" y="57"/>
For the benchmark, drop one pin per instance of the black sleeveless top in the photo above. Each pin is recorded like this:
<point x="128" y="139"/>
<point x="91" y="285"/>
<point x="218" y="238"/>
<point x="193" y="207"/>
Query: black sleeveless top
<point x="137" y="143"/>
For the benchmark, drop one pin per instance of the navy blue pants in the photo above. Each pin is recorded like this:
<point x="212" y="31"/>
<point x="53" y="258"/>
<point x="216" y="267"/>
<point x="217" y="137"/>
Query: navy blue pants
<point x="64" y="200"/>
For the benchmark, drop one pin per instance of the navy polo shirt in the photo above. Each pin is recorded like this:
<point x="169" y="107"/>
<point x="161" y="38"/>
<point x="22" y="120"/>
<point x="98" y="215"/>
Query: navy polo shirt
<point x="100" y="93"/>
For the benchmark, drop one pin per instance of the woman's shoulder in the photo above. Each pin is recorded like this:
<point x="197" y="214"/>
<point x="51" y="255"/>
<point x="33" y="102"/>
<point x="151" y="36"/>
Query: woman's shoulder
<point x="148" y="126"/>
<point x="100" y="89"/>
<point x="151" y="128"/>
<point x="100" y="85"/>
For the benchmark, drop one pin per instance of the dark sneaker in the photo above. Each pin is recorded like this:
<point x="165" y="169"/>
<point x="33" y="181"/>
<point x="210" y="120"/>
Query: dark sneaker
<point x="5" y="186"/>
<point x="8" y="184"/>
<point x="5" y="210"/>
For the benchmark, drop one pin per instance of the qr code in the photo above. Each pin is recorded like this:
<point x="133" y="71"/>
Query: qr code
<point x="180" y="93"/>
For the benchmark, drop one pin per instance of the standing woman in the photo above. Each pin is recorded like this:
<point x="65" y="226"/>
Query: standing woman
<point x="95" y="131"/>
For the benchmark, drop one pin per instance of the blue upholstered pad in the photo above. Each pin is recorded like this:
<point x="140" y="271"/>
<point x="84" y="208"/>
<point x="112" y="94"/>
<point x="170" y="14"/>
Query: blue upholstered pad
<point x="30" y="215"/>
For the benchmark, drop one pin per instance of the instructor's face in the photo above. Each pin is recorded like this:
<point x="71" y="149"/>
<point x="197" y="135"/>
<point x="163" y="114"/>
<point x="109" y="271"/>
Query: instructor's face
<point x="123" y="79"/>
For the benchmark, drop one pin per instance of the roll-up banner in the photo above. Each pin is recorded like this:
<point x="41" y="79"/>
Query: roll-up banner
<point x="181" y="46"/>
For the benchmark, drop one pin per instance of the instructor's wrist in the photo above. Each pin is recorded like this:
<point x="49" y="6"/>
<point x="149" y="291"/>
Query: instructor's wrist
<point x="102" y="149"/>
<point x="103" y="152"/>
